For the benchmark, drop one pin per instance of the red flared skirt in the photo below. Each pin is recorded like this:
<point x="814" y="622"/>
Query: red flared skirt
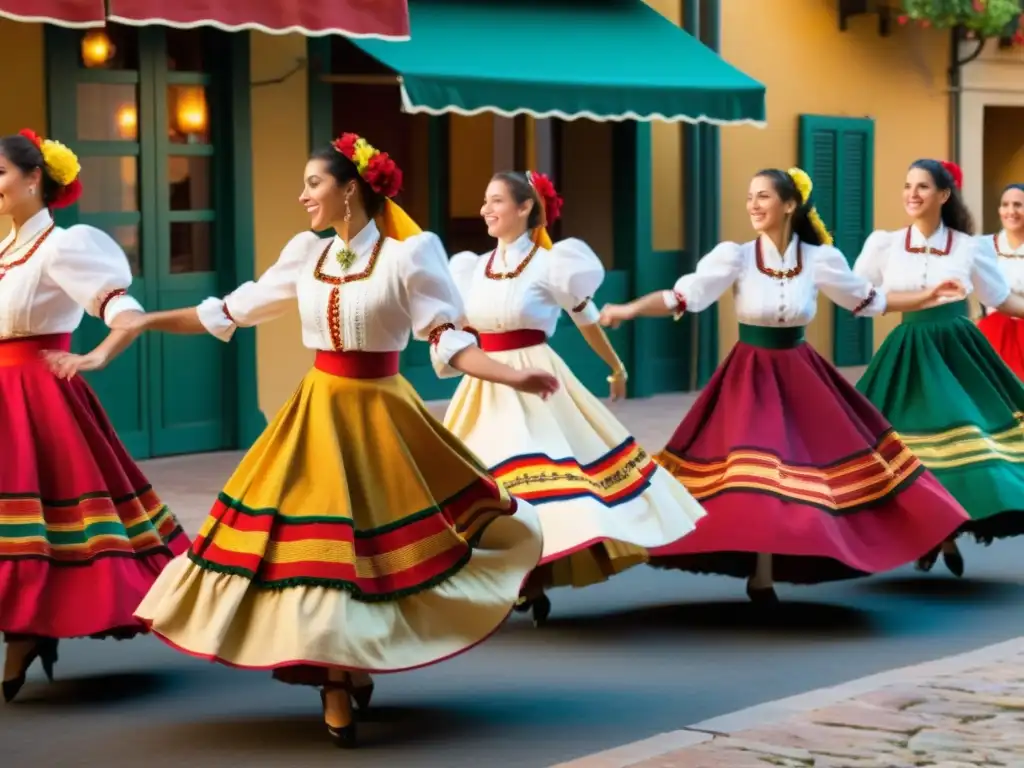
<point x="1006" y="334"/>
<point x="82" y="534"/>
<point x="789" y="459"/>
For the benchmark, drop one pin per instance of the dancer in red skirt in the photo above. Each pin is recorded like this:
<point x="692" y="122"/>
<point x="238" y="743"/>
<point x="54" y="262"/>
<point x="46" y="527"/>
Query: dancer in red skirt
<point x="802" y="478"/>
<point x="1005" y="332"/>
<point x="82" y="534"/>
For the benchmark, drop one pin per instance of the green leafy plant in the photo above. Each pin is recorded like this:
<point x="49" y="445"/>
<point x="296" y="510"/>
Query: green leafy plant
<point x="985" y="18"/>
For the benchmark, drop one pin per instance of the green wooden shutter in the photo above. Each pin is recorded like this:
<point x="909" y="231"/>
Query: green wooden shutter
<point x="839" y="154"/>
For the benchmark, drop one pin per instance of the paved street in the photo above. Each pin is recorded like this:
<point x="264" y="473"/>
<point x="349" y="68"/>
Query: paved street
<point x="969" y="716"/>
<point x="647" y="653"/>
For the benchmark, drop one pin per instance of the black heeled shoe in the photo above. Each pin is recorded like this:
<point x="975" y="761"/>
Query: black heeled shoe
<point x="361" y="696"/>
<point x="954" y="562"/>
<point x="345" y="736"/>
<point x="541" y="606"/>
<point x="762" y="595"/>
<point x="927" y="562"/>
<point x="46" y="651"/>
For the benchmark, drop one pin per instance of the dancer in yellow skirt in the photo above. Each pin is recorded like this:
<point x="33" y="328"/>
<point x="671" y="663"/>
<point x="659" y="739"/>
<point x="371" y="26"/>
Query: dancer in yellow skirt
<point x="601" y="498"/>
<point x="357" y="535"/>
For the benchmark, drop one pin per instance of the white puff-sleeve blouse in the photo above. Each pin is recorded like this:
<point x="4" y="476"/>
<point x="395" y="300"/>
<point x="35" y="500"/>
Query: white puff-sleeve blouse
<point x="524" y="286"/>
<point x="906" y="260"/>
<point x="51" y="276"/>
<point x="1009" y="260"/>
<point x="773" y="289"/>
<point x="391" y="290"/>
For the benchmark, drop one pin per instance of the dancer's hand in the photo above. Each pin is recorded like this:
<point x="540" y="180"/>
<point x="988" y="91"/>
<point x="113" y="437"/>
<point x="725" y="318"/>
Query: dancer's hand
<point x="951" y="290"/>
<point x="945" y="292"/>
<point x="129" y="320"/>
<point x="616" y="387"/>
<point x="613" y="315"/>
<point x="536" y="382"/>
<point x="65" y="365"/>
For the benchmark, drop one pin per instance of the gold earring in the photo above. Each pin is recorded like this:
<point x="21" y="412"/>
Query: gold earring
<point x="346" y="255"/>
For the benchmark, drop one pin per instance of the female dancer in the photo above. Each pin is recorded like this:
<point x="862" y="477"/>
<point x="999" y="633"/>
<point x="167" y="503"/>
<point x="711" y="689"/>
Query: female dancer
<point x="953" y="401"/>
<point x="803" y="480"/>
<point x="357" y="535"/>
<point x="82" y="534"/>
<point x="600" y="496"/>
<point x="1004" y="331"/>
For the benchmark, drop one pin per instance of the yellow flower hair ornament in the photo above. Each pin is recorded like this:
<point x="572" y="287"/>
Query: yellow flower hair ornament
<point x="805" y="186"/>
<point x="61" y="165"/>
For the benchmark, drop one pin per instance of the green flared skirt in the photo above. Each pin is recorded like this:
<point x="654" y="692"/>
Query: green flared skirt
<point x="959" y="407"/>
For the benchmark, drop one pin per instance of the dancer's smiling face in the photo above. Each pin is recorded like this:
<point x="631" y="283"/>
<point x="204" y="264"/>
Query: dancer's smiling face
<point x="1011" y="210"/>
<point x="323" y="196"/>
<point x="21" y="185"/>
<point x="922" y="198"/>
<point x="767" y="210"/>
<point x="505" y="217"/>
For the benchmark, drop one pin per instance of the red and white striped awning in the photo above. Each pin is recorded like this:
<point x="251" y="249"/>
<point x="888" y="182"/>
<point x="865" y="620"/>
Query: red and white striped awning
<point x="63" y="13"/>
<point x="382" y="19"/>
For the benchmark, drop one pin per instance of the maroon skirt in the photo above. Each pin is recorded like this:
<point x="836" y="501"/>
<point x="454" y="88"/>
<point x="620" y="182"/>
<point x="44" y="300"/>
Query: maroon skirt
<point x="1006" y="335"/>
<point x="82" y="534"/>
<point x="788" y="458"/>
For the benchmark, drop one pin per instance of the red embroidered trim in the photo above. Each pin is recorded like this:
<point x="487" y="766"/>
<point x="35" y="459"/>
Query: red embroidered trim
<point x="490" y="274"/>
<point x="582" y="305"/>
<point x="995" y="244"/>
<point x="435" y="335"/>
<point x="927" y="248"/>
<point x="866" y="303"/>
<point x="5" y="268"/>
<point x="779" y="274"/>
<point x="681" y="302"/>
<point x="227" y="313"/>
<point x="318" y="271"/>
<point x="334" y="317"/>
<point x="109" y="298"/>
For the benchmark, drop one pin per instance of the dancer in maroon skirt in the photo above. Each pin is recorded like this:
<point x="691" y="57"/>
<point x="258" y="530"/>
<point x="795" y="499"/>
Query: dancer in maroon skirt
<point x="82" y="534"/>
<point x="802" y="478"/>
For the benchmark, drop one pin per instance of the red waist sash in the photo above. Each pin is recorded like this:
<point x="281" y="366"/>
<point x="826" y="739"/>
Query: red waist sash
<point x="357" y="364"/>
<point x="26" y="350"/>
<point x="510" y="340"/>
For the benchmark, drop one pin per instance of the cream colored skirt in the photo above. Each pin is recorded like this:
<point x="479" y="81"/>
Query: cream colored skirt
<point x="601" y="498"/>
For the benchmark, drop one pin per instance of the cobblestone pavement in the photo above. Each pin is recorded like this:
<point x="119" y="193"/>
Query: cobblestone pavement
<point x="971" y="718"/>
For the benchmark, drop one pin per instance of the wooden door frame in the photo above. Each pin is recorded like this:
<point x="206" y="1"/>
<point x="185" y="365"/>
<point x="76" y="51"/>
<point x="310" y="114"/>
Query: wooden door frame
<point x="243" y="417"/>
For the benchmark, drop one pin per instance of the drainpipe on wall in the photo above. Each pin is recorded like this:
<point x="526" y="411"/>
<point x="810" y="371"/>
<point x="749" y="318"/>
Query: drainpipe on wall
<point x="956" y="65"/>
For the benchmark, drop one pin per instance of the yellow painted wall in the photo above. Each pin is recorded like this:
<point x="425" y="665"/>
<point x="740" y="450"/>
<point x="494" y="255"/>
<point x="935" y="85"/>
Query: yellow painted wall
<point x="280" y="147"/>
<point x="809" y="67"/>
<point x="1004" y="160"/>
<point x="23" y="95"/>
<point x="471" y="147"/>
<point x="667" y="220"/>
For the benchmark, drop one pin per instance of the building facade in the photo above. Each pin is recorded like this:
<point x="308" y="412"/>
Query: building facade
<point x="853" y="107"/>
<point x="193" y="143"/>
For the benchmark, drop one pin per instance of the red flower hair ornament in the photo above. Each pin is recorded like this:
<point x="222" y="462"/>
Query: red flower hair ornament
<point x="375" y="167"/>
<point x="954" y="173"/>
<point x="61" y="165"/>
<point x="549" y="197"/>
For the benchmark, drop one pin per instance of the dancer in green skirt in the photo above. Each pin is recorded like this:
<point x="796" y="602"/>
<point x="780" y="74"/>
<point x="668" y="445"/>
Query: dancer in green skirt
<point x="936" y="377"/>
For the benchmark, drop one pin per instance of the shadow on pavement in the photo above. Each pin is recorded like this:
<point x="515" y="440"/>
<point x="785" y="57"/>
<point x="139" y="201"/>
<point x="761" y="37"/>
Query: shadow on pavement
<point x="99" y="689"/>
<point x="379" y="727"/>
<point x="798" y="619"/>
<point x="946" y="588"/>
